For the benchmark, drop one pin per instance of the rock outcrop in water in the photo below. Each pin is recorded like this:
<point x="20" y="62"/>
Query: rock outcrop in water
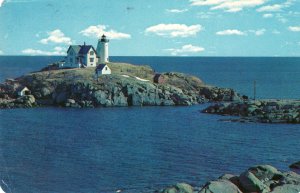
<point x="295" y="165"/>
<point x="257" y="179"/>
<point x="265" y="111"/>
<point x="129" y="85"/>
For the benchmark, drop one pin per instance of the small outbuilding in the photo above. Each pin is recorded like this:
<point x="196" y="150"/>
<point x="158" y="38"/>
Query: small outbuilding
<point x="102" y="69"/>
<point x="159" y="78"/>
<point x="22" y="91"/>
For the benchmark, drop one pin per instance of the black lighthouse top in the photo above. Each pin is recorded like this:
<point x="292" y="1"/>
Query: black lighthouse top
<point x="104" y="39"/>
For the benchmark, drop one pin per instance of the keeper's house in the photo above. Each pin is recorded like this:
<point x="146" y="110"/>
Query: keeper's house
<point x="80" y="56"/>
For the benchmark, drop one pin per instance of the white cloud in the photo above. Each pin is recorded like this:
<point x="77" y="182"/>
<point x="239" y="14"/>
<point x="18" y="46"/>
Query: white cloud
<point x="276" y="7"/>
<point x="228" y="5"/>
<point x="174" y="30"/>
<point x="270" y="8"/>
<point x="230" y="32"/>
<point x="1" y="2"/>
<point x="176" y="10"/>
<point x="185" y="50"/>
<point x="56" y="36"/>
<point x="98" y="30"/>
<point x="258" y="32"/>
<point x="1" y="52"/>
<point x="275" y="31"/>
<point x="57" y="51"/>
<point x="294" y="28"/>
<point x="267" y="15"/>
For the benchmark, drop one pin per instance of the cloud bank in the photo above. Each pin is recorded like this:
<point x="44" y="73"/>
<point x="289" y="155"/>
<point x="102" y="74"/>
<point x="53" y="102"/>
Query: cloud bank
<point x="96" y="31"/>
<point x="294" y="28"/>
<point x="185" y="50"/>
<point x="228" y="5"/>
<point x="230" y="32"/>
<point x="56" y="36"/>
<point x="174" y="30"/>
<point x="57" y="51"/>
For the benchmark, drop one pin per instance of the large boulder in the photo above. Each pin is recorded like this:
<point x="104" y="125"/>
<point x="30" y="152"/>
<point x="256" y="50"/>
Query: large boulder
<point x="60" y="97"/>
<point x="289" y="178"/>
<point x="287" y="188"/>
<point x="220" y="186"/>
<point x="179" y="188"/>
<point x="295" y="165"/>
<point x="264" y="172"/>
<point x="250" y="183"/>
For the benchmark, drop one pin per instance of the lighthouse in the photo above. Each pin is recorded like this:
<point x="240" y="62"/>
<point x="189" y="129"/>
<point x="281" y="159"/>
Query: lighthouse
<point x="102" y="49"/>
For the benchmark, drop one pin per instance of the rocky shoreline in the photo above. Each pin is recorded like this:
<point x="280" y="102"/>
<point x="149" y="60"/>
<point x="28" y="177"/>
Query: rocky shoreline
<point x="264" y="111"/>
<point x="129" y="85"/>
<point x="257" y="179"/>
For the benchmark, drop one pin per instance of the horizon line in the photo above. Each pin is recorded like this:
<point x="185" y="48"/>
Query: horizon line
<point x="162" y="56"/>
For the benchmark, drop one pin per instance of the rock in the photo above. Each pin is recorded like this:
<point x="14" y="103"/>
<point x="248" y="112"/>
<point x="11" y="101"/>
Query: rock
<point x="287" y="188"/>
<point x="250" y="183"/>
<point x="232" y="178"/>
<point x="59" y="85"/>
<point x="61" y="98"/>
<point x="295" y="165"/>
<point x="71" y="101"/>
<point x="259" y="111"/>
<point x="45" y="92"/>
<point x="290" y="178"/>
<point x="264" y="172"/>
<point x="220" y="186"/>
<point x="29" y="98"/>
<point x="179" y="188"/>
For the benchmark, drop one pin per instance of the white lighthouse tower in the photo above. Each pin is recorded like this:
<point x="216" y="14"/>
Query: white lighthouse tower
<point x="102" y="49"/>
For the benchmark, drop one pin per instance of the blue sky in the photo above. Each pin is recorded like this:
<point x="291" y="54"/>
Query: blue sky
<point x="152" y="28"/>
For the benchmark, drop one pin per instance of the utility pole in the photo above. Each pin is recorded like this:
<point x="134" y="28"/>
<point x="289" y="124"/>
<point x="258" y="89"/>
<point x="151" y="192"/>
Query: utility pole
<point x="254" y="90"/>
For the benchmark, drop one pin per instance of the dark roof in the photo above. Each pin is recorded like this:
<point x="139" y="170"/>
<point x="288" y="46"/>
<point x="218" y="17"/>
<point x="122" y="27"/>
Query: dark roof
<point x="81" y="49"/>
<point x="85" y="49"/>
<point x="104" y="39"/>
<point x="76" y="48"/>
<point x="100" y="66"/>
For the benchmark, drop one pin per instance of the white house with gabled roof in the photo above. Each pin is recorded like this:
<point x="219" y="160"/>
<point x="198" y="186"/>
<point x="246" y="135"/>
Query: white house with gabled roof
<point x="79" y="56"/>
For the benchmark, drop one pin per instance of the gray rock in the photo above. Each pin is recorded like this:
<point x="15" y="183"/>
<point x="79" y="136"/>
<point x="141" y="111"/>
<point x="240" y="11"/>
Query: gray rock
<point x="220" y="186"/>
<point x="71" y="101"/>
<point x="61" y="98"/>
<point x="179" y="188"/>
<point x="264" y="172"/>
<point x="295" y="165"/>
<point x="287" y="188"/>
<point x="250" y="183"/>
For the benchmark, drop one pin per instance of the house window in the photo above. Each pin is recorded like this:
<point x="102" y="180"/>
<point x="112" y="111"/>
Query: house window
<point x="105" y="68"/>
<point x="92" y="52"/>
<point x="91" y="59"/>
<point x="71" y="53"/>
<point x="71" y="60"/>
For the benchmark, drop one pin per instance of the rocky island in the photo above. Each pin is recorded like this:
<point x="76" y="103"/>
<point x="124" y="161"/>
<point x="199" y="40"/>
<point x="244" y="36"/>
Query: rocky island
<point x="264" y="111"/>
<point x="256" y="179"/>
<point x="127" y="85"/>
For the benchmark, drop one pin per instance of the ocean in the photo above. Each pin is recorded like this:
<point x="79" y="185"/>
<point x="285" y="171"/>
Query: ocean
<point x="140" y="149"/>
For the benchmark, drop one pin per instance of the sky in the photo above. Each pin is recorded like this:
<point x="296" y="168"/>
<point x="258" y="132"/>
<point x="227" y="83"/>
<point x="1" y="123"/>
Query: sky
<point x="152" y="28"/>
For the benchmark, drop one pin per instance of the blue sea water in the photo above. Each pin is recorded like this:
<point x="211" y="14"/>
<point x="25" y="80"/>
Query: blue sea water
<point x="139" y="149"/>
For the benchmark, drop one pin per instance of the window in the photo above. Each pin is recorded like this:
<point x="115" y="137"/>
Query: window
<point x="92" y="52"/>
<point x="91" y="59"/>
<point x="105" y="68"/>
<point x="71" y="60"/>
<point x="71" y="53"/>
